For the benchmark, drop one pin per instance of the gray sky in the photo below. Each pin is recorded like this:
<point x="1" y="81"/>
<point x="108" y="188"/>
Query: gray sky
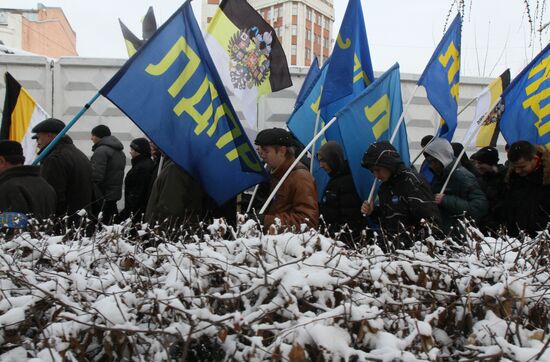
<point x="495" y="32"/>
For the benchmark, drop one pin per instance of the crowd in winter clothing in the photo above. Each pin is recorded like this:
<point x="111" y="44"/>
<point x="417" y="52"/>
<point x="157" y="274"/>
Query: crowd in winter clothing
<point x="408" y="205"/>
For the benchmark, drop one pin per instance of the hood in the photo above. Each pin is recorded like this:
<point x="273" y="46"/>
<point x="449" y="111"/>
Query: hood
<point x="441" y="150"/>
<point x="382" y="154"/>
<point x="110" y="141"/>
<point x="333" y="154"/>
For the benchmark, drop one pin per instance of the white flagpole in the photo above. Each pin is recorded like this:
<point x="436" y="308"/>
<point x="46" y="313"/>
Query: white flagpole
<point x="457" y="161"/>
<point x="298" y="158"/>
<point x="314" y="134"/>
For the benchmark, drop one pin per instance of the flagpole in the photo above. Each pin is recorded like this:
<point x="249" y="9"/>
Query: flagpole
<point x="51" y="145"/>
<point x="457" y="161"/>
<point x="394" y="134"/>
<point x="321" y="132"/>
<point x="314" y="133"/>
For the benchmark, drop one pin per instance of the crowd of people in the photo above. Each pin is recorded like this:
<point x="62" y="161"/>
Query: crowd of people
<point x="513" y="197"/>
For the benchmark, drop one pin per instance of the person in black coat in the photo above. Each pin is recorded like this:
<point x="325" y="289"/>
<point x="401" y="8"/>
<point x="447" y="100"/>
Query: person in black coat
<point x="340" y="204"/>
<point x="22" y="190"/>
<point x="108" y="163"/>
<point x="492" y="175"/>
<point x="66" y="169"/>
<point x="136" y="183"/>
<point x="405" y="198"/>
<point x="527" y="197"/>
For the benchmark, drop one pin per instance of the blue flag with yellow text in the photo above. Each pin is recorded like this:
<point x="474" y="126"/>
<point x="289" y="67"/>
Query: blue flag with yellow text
<point x="308" y="82"/>
<point x="171" y="90"/>
<point x="441" y="79"/>
<point x="526" y="113"/>
<point x="302" y="124"/>
<point x="369" y="118"/>
<point x="350" y="69"/>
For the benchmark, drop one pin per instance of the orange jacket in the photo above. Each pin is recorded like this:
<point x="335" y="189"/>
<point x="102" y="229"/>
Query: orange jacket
<point x="295" y="202"/>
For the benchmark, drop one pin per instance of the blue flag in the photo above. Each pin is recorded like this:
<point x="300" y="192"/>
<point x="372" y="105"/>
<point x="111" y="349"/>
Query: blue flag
<point x="441" y="79"/>
<point x="527" y="103"/>
<point x="171" y="90"/>
<point x="369" y="118"/>
<point x="302" y="125"/>
<point x="350" y="69"/>
<point x="308" y="82"/>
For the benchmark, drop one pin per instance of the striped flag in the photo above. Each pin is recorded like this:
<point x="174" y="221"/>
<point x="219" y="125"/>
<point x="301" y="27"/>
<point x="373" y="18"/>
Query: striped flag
<point x="487" y="133"/>
<point x="149" y="26"/>
<point x="21" y="113"/>
<point x="248" y="56"/>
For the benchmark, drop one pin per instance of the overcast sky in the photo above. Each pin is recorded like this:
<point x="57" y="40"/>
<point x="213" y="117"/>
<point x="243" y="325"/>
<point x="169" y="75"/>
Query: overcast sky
<point x="495" y="32"/>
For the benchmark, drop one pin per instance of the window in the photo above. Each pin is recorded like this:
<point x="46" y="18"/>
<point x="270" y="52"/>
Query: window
<point x="276" y="12"/>
<point x="308" y="34"/>
<point x="319" y="17"/>
<point x="309" y="14"/>
<point x="294" y="8"/>
<point x="293" y="50"/>
<point x="318" y="39"/>
<point x="294" y="30"/>
<point x="308" y="53"/>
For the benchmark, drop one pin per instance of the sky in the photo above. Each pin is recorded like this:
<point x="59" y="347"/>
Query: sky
<point x="496" y="33"/>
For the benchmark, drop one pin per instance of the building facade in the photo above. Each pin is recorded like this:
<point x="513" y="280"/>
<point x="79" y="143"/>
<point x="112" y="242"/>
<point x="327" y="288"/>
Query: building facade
<point x="304" y="27"/>
<point x="45" y="31"/>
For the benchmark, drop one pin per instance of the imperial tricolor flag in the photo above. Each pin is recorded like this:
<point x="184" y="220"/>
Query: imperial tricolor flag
<point x="441" y="78"/>
<point x="487" y="133"/>
<point x="527" y="103"/>
<point x="21" y="113"/>
<point x="170" y="88"/>
<point x="248" y="55"/>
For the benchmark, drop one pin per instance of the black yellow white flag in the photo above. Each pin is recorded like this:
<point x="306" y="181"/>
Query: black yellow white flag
<point x="21" y="113"/>
<point x="247" y="54"/>
<point x="487" y="133"/>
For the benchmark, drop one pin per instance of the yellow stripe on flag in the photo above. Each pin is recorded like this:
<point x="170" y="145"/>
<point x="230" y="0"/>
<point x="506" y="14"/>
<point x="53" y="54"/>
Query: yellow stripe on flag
<point x="21" y="115"/>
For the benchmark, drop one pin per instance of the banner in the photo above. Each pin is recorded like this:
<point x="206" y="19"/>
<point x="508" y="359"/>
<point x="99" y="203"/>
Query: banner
<point x="170" y="88"/>
<point x="248" y="55"/>
<point x="441" y="79"/>
<point x="369" y="118"/>
<point x="527" y="103"/>
<point x="21" y="113"/>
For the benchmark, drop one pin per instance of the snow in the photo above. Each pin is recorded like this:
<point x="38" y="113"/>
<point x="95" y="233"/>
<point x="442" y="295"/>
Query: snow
<point x="256" y="296"/>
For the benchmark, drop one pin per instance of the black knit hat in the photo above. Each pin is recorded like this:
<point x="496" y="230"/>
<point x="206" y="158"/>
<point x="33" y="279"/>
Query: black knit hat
<point x="49" y="125"/>
<point x="487" y="155"/>
<point x="101" y="131"/>
<point x="10" y="148"/>
<point x="141" y="146"/>
<point x="274" y="137"/>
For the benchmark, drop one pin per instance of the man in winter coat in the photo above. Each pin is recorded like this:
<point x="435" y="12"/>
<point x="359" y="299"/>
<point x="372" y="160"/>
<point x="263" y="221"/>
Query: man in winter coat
<point x="65" y="168"/>
<point x="485" y="160"/>
<point x="22" y="189"/>
<point x="405" y="198"/>
<point x="295" y="203"/>
<point x="136" y="183"/>
<point x="463" y="194"/>
<point x="175" y="197"/>
<point x="340" y="204"/>
<point x="527" y="197"/>
<point x="108" y="162"/>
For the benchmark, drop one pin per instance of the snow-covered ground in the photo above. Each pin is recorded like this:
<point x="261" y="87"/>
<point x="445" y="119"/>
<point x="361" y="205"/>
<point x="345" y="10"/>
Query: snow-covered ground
<point x="289" y="297"/>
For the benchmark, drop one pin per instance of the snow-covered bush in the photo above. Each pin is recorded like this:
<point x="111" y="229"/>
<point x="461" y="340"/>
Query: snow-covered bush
<point x="185" y="294"/>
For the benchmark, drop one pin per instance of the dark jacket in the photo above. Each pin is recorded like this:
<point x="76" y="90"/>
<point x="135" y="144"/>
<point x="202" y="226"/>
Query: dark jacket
<point x="175" y="196"/>
<point x="492" y="183"/>
<point x="406" y="198"/>
<point x="527" y="199"/>
<point x="295" y="203"/>
<point x="108" y="162"/>
<point x="463" y="194"/>
<point x="23" y="190"/>
<point x="136" y="186"/>
<point x="340" y="203"/>
<point x="69" y="172"/>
